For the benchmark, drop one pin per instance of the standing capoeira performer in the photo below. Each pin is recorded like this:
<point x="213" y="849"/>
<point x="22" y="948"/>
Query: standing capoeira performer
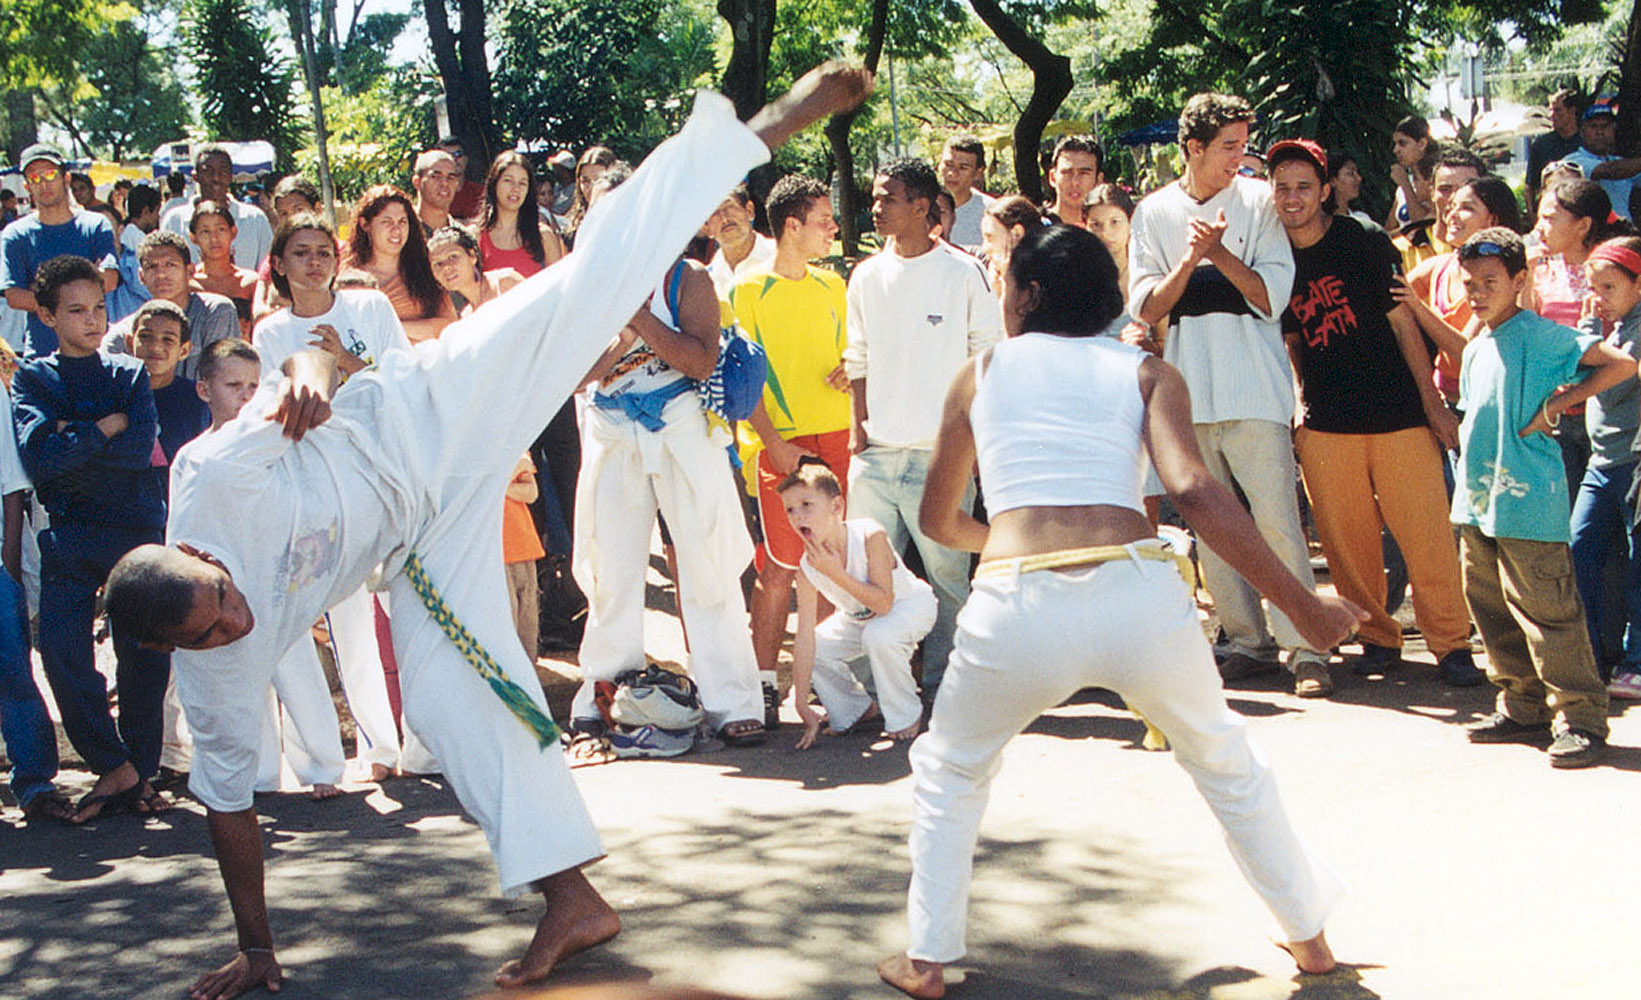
<point x="406" y="466"/>
<point x="1060" y="421"/>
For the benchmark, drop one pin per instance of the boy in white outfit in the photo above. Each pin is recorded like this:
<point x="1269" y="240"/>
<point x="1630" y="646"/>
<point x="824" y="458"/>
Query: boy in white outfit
<point x="404" y="469"/>
<point x="881" y="610"/>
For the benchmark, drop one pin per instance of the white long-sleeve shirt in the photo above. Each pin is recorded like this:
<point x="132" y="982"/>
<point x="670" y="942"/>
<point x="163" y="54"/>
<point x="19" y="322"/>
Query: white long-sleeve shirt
<point x="912" y="324"/>
<point x="1230" y="353"/>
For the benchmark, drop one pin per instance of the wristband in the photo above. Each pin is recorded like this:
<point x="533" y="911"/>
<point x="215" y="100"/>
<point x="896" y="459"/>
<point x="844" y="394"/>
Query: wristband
<point x="256" y="951"/>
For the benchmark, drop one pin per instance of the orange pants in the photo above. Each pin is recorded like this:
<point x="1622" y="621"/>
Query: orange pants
<point x="1359" y="484"/>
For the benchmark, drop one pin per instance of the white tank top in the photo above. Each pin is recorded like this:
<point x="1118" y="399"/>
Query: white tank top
<point x="854" y="563"/>
<point x="1057" y="423"/>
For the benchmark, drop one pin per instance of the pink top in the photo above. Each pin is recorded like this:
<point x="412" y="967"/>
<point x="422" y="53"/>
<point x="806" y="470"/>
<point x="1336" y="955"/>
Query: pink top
<point x="494" y="258"/>
<point x="1561" y="289"/>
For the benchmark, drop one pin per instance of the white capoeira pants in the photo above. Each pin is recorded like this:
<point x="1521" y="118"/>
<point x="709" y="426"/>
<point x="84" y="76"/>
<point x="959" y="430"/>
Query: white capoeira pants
<point x="1025" y="643"/>
<point x="887" y="642"/>
<point x="299" y="726"/>
<point x="627" y="473"/>
<point x="440" y="429"/>
<point x="359" y="666"/>
<point x="302" y="721"/>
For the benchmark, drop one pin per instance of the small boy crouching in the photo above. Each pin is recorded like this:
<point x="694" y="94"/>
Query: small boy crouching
<point x="881" y="611"/>
<point x="1512" y="508"/>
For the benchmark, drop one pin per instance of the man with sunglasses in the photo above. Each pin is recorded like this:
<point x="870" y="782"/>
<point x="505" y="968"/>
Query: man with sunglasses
<point x="57" y="226"/>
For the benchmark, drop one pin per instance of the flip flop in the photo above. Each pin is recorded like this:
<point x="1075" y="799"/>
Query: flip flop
<point x="53" y="806"/>
<point x="151" y="802"/>
<point x="109" y="803"/>
<point x="586" y="750"/>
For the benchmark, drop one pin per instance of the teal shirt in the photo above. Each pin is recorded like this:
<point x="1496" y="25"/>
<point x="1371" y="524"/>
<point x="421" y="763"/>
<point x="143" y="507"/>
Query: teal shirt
<point x="1509" y="486"/>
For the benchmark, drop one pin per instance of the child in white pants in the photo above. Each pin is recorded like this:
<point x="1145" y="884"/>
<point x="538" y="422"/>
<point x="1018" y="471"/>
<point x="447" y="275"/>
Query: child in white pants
<point x="881" y="611"/>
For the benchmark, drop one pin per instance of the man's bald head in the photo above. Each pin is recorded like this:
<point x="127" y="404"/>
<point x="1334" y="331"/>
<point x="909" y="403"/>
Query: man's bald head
<point x="149" y="593"/>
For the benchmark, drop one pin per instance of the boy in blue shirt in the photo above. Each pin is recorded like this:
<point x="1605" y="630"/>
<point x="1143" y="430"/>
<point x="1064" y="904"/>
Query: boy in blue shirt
<point x="85" y="431"/>
<point x="160" y="340"/>
<point x="1512" y="508"/>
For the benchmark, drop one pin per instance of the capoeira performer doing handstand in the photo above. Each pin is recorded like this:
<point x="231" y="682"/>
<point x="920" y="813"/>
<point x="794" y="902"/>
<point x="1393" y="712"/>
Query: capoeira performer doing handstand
<point x="1060" y="421"/>
<point x="406" y="467"/>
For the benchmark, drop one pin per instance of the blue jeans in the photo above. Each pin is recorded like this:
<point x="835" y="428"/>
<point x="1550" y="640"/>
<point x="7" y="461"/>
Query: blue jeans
<point x="74" y="562"/>
<point x="31" y="743"/>
<point x="1601" y="531"/>
<point x="886" y="484"/>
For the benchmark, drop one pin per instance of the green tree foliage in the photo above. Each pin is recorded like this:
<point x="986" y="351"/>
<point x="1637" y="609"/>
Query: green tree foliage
<point x="129" y="100"/>
<point x="362" y="60"/>
<point x="245" y="89"/>
<point x="1338" y="70"/>
<point x="617" y="73"/>
<point x="41" y="41"/>
<point x="376" y="134"/>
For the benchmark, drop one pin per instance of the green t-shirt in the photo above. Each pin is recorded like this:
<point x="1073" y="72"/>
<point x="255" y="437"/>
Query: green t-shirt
<point x="1510" y="486"/>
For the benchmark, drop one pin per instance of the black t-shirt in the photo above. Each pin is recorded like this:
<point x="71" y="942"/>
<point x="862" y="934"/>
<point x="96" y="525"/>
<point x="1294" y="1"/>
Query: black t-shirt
<point x="1352" y="376"/>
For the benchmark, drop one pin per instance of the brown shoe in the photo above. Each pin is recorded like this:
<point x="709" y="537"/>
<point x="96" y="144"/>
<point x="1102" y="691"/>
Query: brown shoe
<point x="1311" y="680"/>
<point x="1241" y="666"/>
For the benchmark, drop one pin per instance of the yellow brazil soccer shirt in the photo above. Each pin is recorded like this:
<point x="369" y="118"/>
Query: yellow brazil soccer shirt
<point x="800" y="324"/>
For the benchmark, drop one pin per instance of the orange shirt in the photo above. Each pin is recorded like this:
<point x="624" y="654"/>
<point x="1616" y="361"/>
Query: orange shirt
<point x="519" y="541"/>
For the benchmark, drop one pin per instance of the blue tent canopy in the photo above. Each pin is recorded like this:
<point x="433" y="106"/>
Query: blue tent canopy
<point x="250" y="158"/>
<point x="1159" y="133"/>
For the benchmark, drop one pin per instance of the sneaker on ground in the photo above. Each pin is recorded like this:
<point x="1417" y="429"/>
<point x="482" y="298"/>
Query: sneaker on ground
<point x="1576" y="748"/>
<point x="1241" y="666"/>
<point x="1458" y="668"/>
<point x="1500" y="728"/>
<point x="1376" y="660"/>
<point x="1311" y="680"/>
<point x="649" y="741"/>
<point x="1626" y="684"/>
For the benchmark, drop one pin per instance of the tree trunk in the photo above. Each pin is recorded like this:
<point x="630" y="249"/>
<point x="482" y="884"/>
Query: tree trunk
<point x="1051" y="84"/>
<point x="1629" y="88"/>
<point x="752" y="29"/>
<point x="24" y="128"/>
<point x="465" y="72"/>
<point x="301" y="16"/>
<point x="837" y="133"/>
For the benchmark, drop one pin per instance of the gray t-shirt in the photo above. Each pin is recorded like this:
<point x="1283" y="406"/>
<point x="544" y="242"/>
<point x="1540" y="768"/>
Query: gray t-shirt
<point x="1611" y="417"/>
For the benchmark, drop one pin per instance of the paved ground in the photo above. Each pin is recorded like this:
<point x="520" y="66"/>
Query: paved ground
<point x="1477" y="872"/>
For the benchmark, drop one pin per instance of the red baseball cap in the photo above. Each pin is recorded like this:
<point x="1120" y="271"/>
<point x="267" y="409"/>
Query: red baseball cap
<point x="1299" y="149"/>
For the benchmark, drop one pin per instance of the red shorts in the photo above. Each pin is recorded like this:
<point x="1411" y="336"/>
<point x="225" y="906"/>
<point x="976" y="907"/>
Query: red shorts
<point x="781" y="543"/>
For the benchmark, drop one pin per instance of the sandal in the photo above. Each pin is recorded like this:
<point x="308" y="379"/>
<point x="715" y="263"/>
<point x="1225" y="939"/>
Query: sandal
<point x="586" y="750"/>
<point x="743" y="733"/>
<point x="150" y="801"/>
<point x="109" y="803"/>
<point x="53" y="805"/>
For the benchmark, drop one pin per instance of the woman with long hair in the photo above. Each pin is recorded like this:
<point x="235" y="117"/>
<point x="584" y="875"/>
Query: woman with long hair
<point x="512" y="233"/>
<point x="387" y="243"/>
<point x="1106" y="212"/>
<point x="594" y="161"/>
<point x="1415" y="152"/>
<point x="459" y="267"/>
<point x="1074" y="589"/>
<point x="1005" y="221"/>
<point x="1435" y="289"/>
<point x="1573" y="217"/>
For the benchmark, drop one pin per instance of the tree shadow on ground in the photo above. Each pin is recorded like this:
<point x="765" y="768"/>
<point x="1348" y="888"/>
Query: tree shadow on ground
<point x="367" y="904"/>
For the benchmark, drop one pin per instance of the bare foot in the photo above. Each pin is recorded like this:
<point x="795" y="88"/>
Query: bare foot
<point x="859" y="725"/>
<point x="322" y="791"/>
<point x="1312" y="956"/>
<point x="380" y="773"/>
<point x="902" y="735"/>
<point x="913" y="976"/>
<point x="577" y="918"/>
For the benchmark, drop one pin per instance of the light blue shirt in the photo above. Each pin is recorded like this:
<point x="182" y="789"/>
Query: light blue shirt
<point x="1510" y="486"/>
<point x="1617" y="191"/>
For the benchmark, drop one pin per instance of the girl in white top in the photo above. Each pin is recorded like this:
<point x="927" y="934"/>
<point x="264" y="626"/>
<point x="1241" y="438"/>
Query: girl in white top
<point x="1060" y="421"/>
<point x="881" y="611"/>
